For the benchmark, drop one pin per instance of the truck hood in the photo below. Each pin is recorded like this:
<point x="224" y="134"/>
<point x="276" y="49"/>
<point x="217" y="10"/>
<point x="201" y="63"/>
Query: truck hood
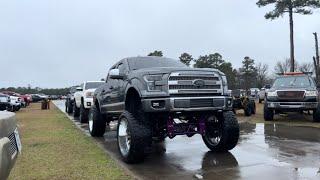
<point x="90" y="90"/>
<point x="167" y="70"/>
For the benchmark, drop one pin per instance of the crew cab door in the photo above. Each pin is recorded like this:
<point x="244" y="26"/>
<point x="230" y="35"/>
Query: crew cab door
<point x="105" y="95"/>
<point x="117" y="88"/>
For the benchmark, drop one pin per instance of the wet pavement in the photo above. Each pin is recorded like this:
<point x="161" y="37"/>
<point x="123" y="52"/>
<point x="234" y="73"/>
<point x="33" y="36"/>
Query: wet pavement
<point x="264" y="152"/>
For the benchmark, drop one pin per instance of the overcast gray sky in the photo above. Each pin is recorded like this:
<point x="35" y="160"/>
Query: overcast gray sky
<point x="59" y="43"/>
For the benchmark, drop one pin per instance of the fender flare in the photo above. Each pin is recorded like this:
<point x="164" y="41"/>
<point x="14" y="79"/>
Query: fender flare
<point x="133" y="83"/>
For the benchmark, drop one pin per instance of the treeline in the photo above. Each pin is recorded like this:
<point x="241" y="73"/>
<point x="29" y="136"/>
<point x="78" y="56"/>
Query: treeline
<point x="37" y="90"/>
<point x="249" y="75"/>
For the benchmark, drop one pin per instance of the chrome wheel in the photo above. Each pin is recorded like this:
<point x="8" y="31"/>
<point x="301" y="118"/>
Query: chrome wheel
<point x="124" y="137"/>
<point x="214" y="131"/>
<point x="90" y="122"/>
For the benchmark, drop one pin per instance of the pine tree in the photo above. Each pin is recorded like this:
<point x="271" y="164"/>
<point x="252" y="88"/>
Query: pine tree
<point x="289" y="6"/>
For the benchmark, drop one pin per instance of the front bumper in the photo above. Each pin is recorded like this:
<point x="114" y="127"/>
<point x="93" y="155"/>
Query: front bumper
<point x="292" y="105"/>
<point x="88" y="102"/>
<point x="187" y="104"/>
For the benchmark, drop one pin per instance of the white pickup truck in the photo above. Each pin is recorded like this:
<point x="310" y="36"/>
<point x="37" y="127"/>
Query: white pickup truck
<point x="83" y="99"/>
<point x="15" y="103"/>
<point x="262" y="93"/>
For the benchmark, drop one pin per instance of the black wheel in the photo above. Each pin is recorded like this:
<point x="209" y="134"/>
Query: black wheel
<point x="316" y="115"/>
<point x="83" y="114"/>
<point x="76" y="110"/>
<point x="69" y="107"/>
<point x="17" y="108"/>
<point x="253" y="108"/>
<point x="97" y="123"/>
<point x="248" y="110"/>
<point x="260" y="100"/>
<point x="66" y="107"/>
<point x="222" y="132"/>
<point x="133" y="138"/>
<point x="267" y="113"/>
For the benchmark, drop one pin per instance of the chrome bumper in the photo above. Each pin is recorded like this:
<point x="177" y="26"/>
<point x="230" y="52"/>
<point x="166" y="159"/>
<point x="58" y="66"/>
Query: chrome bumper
<point x="292" y="105"/>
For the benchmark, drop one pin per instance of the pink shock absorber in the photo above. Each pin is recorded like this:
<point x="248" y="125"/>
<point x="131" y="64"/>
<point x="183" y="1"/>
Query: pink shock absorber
<point x="170" y="127"/>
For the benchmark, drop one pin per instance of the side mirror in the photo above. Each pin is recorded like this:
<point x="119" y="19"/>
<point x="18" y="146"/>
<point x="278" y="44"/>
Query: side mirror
<point x="115" y="74"/>
<point x="79" y="88"/>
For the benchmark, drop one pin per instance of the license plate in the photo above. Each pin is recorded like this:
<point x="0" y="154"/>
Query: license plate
<point x="18" y="141"/>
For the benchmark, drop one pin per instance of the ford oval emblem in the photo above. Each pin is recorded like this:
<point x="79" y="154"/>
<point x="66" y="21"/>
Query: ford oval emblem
<point x="198" y="83"/>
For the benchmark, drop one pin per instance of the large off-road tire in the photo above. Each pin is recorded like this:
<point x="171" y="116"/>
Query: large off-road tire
<point x="17" y="108"/>
<point x="97" y="123"/>
<point x="222" y="133"/>
<point x="66" y="107"/>
<point x="267" y="113"/>
<point x="248" y="110"/>
<point x="133" y="138"/>
<point x="76" y="110"/>
<point x="83" y="117"/>
<point x="69" y="107"/>
<point x="253" y="107"/>
<point x="316" y="115"/>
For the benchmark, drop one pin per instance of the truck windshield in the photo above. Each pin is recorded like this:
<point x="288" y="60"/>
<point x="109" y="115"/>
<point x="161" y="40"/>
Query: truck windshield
<point x="142" y="63"/>
<point x="293" y="81"/>
<point x="93" y="85"/>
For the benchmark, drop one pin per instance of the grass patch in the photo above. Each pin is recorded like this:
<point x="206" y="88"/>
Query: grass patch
<point x="53" y="148"/>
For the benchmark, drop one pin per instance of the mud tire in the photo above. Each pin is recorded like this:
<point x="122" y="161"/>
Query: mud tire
<point x="76" y="110"/>
<point x="248" y="110"/>
<point x="229" y="133"/>
<point x="267" y="113"/>
<point x="69" y="107"/>
<point x="84" y="114"/>
<point x="316" y="115"/>
<point x="140" y="138"/>
<point x="98" y="122"/>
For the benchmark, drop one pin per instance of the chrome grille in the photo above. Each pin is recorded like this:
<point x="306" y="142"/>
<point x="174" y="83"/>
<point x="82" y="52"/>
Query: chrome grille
<point x="191" y="78"/>
<point x="13" y="144"/>
<point x="194" y="87"/>
<point x="188" y="82"/>
<point x="296" y="95"/>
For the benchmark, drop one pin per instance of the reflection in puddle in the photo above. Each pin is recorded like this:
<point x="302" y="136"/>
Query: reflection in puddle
<point x="262" y="148"/>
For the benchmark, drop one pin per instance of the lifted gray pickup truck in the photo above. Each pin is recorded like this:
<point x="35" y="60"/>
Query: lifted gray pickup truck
<point x="292" y="92"/>
<point x="153" y="98"/>
<point x="10" y="144"/>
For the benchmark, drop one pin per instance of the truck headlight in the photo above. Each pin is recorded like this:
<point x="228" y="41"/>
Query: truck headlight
<point x="272" y="94"/>
<point x="151" y="82"/>
<point x="311" y="93"/>
<point x="89" y="94"/>
<point x="225" y="85"/>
